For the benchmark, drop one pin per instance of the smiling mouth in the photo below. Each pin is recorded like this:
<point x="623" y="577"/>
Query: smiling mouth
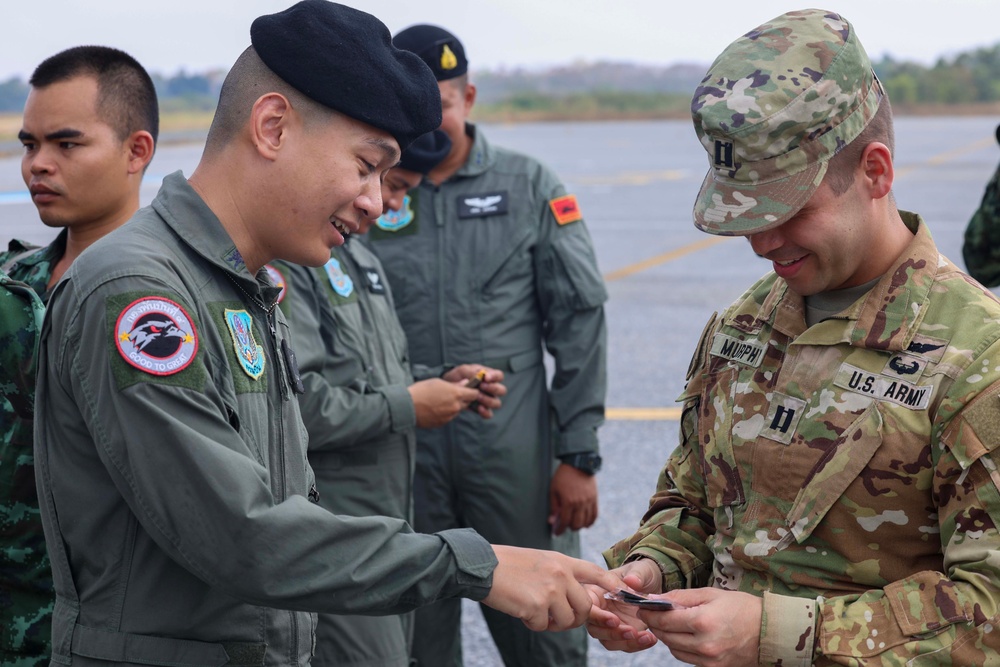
<point x="340" y="227"/>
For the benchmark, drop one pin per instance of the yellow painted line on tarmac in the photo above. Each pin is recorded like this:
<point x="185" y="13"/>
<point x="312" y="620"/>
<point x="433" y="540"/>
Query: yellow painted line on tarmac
<point x="643" y="414"/>
<point x="662" y="259"/>
<point x="944" y="158"/>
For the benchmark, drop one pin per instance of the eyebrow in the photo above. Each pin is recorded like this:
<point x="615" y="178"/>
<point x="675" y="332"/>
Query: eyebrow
<point x="51" y="136"/>
<point x="390" y="151"/>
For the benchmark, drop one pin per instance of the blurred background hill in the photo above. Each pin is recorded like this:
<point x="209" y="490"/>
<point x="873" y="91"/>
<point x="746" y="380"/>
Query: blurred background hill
<point x="966" y="83"/>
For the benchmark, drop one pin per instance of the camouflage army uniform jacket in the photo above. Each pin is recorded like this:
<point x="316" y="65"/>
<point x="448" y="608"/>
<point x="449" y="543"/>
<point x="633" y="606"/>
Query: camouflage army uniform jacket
<point x="26" y="596"/>
<point x="846" y="472"/>
<point x="171" y="466"/>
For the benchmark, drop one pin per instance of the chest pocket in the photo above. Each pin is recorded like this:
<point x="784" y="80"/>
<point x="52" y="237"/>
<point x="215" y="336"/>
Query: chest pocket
<point x="245" y="398"/>
<point x="836" y="470"/>
<point x="716" y="422"/>
<point x="505" y="262"/>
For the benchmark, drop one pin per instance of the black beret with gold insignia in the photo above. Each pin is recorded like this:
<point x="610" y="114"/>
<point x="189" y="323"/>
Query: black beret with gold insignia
<point x="344" y="59"/>
<point x="440" y="49"/>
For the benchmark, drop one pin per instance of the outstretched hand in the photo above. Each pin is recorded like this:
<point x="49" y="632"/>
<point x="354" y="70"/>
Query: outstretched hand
<point x="544" y="588"/>
<point x="617" y="625"/>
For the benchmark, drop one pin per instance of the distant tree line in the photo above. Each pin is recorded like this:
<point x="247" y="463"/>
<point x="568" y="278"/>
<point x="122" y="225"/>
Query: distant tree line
<point x="181" y="92"/>
<point x="603" y="89"/>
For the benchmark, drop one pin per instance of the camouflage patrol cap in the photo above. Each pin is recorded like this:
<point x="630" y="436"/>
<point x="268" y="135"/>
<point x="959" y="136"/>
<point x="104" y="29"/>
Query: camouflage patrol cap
<point x="772" y="110"/>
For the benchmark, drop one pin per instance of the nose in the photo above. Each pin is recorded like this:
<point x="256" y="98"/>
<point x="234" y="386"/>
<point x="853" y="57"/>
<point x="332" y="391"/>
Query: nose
<point x="766" y="241"/>
<point x="39" y="161"/>
<point x="394" y="201"/>
<point x="369" y="202"/>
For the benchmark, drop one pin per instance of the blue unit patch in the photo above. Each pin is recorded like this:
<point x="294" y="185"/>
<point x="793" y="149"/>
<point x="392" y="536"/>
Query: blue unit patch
<point x="393" y="221"/>
<point x="339" y="281"/>
<point x="249" y="354"/>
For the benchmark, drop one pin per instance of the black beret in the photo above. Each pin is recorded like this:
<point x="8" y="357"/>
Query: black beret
<point x="440" y="49"/>
<point x="344" y="59"/>
<point x="426" y="152"/>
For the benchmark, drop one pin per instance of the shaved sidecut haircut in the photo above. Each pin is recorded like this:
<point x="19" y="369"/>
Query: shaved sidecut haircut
<point x="126" y="97"/>
<point x="840" y="173"/>
<point x="245" y="83"/>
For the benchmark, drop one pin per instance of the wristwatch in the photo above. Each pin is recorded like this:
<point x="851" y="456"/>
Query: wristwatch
<point x="588" y="462"/>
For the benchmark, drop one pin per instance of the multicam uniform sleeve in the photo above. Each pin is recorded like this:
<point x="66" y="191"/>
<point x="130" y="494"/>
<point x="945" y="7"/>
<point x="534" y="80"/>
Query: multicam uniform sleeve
<point x="678" y="523"/>
<point x="933" y="618"/>
<point x="572" y="295"/>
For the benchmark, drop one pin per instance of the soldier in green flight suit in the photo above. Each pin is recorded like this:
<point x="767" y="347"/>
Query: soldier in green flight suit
<point x="361" y="405"/>
<point x="491" y="262"/>
<point x="835" y="495"/>
<point x="179" y="507"/>
<point x="89" y="131"/>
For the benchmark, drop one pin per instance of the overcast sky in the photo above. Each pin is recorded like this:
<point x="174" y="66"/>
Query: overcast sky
<point x="197" y="35"/>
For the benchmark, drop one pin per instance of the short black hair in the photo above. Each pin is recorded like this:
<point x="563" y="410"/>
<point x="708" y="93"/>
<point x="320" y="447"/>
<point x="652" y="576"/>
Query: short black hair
<point x="125" y="92"/>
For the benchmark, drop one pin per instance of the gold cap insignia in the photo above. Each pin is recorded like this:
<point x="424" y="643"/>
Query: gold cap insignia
<point x="448" y="59"/>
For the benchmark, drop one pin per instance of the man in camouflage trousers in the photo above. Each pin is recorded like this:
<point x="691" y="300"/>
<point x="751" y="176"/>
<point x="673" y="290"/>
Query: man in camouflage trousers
<point x="834" y="497"/>
<point x="89" y="132"/>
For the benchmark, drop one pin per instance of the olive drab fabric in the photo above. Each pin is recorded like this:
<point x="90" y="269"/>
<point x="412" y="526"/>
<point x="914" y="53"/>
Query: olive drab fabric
<point x="171" y="460"/>
<point x="482" y="271"/>
<point x="26" y="595"/>
<point x="981" y="246"/>
<point x="355" y="370"/>
<point x="846" y="472"/>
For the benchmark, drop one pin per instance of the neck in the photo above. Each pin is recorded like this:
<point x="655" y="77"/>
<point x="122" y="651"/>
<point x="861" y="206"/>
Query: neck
<point x="222" y="190"/>
<point x="81" y="237"/>
<point x="451" y="164"/>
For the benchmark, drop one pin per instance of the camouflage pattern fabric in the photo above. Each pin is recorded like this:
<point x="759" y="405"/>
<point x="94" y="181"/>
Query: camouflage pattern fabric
<point x="26" y="595"/>
<point x="846" y="472"/>
<point x="981" y="248"/>
<point x="769" y="134"/>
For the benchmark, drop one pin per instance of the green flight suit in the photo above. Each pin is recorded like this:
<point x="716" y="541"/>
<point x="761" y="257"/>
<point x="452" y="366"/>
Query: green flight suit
<point x="360" y="418"/>
<point x="171" y="465"/>
<point x="26" y="596"/>
<point x="488" y="267"/>
<point x="846" y="472"/>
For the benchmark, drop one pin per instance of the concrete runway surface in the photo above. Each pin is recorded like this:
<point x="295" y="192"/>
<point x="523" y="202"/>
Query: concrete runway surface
<point x="636" y="183"/>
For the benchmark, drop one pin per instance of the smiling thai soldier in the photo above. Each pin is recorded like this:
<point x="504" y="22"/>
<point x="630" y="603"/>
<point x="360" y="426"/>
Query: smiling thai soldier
<point x="490" y="261"/>
<point x="835" y="495"/>
<point x="178" y="504"/>
<point x="361" y="406"/>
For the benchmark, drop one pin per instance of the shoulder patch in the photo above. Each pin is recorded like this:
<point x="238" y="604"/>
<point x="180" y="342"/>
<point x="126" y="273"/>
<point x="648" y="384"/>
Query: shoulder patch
<point x="339" y="281"/>
<point x="156" y="335"/>
<point x="249" y="354"/>
<point x="566" y="209"/>
<point x="277" y="279"/>
<point x="393" y="221"/>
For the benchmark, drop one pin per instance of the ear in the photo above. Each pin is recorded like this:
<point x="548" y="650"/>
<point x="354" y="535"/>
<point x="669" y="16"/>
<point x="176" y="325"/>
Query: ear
<point x="877" y="170"/>
<point x="470" y="97"/>
<point x="269" y="120"/>
<point x="140" y="151"/>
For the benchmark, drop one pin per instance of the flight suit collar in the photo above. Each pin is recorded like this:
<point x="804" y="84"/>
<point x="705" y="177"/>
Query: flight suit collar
<point x="183" y="209"/>
<point x="885" y="319"/>
<point x="481" y="157"/>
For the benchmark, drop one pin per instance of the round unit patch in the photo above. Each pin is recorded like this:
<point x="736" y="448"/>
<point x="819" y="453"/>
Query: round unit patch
<point x="156" y="335"/>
